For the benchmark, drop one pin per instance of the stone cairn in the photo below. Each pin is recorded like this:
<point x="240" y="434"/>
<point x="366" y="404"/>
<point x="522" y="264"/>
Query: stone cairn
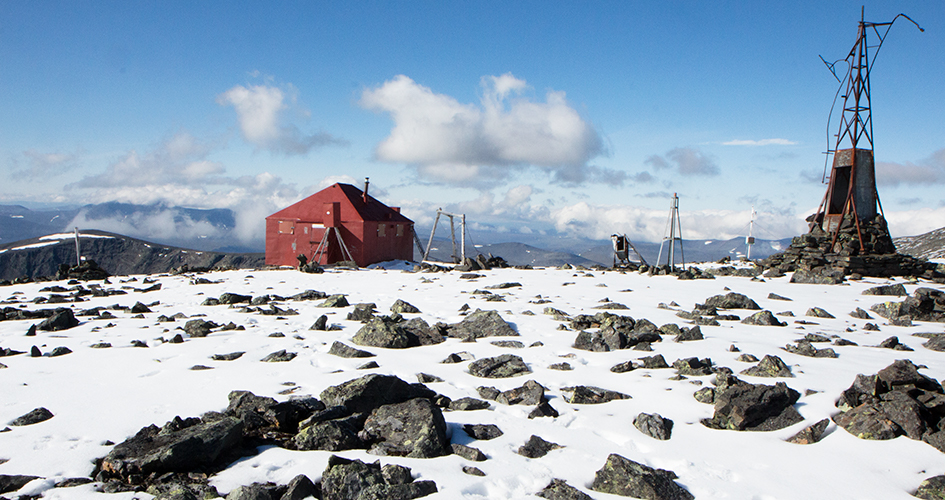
<point x="821" y="259"/>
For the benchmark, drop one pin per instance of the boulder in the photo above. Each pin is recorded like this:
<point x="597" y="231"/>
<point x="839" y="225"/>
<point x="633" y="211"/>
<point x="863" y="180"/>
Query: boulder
<point x="33" y="417"/>
<point x="61" y="319"/>
<point x="932" y="488"/>
<point x="859" y="313"/>
<point x="321" y="324"/>
<point x="152" y="450"/>
<point x="689" y="334"/>
<point x="234" y="298"/>
<point x="482" y="432"/>
<point x="362" y="312"/>
<point x="366" y="393"/>
<point x="419" y="332"/>
<point x="543" y="410"/>
<point x="817" y="312"/>
<point x="199" y="328"/>
<point x="338" y="300"/>
<point x="731" y="300"/>
<point x="754" y="407"/>
<point x="620" y="476"/>
<point x="468" y="404"/>
<point x="770" y="366"/>
<point x="468" y="452"/>
<point x="654" y="362"/>
<point x="654" y="425"/>
<point x="559" y="489"/>
<point x="279" y="356"/>
<point x="330" y="435"/>
<point x="10" y="483"/>
<point x="693" y="366"/>
<point x="530" y="393"/>
<point x="380" y="332"/>
<point x="503" y="366"/>
<point x="763" y="318"/>
<point x="823" y="277"/>
<point x="401" y="307"/>
<point x="414" y="428"/>
<point x="936" y="343"/>
<point x="589" y="395"/>
<point x="344" y="479"/>
<point x="898" y="289"/>
<point x="481" y="324"/>
<point x="537" y="447"/>
<point x="416" y="489"/>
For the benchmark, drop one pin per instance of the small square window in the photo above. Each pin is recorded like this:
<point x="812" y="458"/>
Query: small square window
<point x="381" y="230"/>
<point x="400" y="230"/>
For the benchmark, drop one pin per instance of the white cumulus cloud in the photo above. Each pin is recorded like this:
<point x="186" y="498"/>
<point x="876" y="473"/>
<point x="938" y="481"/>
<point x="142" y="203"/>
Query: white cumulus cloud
<point x="461" y="143"/>
<point x="685" y="161"/>
<point x="260" y="110"/>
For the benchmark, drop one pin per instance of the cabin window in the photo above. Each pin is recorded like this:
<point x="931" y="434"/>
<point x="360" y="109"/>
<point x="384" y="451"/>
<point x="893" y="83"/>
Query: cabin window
<point x="400" y="230"/>
<point x="286" y="227"/>
<point x="381" y="230"/>
<point x="305" y="229"/>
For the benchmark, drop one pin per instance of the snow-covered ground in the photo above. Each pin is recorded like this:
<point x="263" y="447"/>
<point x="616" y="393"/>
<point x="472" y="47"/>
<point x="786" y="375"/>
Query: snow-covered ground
<point x="100" y="395"/>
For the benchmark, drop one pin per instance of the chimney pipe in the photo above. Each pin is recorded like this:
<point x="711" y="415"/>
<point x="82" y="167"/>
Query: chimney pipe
<point x="366" y="182"/>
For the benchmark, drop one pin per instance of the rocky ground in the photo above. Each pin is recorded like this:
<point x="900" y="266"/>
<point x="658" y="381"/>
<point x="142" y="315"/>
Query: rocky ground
<point x="507" y="383"/>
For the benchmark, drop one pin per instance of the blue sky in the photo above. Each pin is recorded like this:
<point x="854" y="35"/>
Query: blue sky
<point x="577" y="118"/>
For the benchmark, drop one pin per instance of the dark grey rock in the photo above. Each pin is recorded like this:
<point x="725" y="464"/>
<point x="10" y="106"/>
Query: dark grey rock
<point x="654" y="425"/>
<point x="509" y="344"/>
<point x="898" y="289"/>
<point x="345" y="351"/>
<point x="763" y="318"/>
<point x="932" y="488"/>
<point x="620" y="476"/>
<point x="530" y="393"/>
<point x="774" y="296"/>
<point x="234" y="298"/>
<point x="321" y="324"/>
<point x="558" y="489"/>
<point x="468" y="452"/>
<point x="10" y="483"/>
<point x="860" y="314"/>
<point x="299" y="488"/>
<point x="693" y="366"/>
<point x="543" y="409"/>
<point x="654" y="362"/>
<point x="624" y="367"/>
<point x="199" y="327"/>
<point x="139" y="308"/>
<point x="589" y="395"/>
<point x="345" y="479"/>
<point x="157" y="451"/>
<point x="810" y="434"/>
<point x="396" y="474"/>
<point x="481" y="324"/>
<point x="805" y="348"/>
<point x="362" y="312"/>
<point x="370" y="365"/>
<point x="330" y="435"/>
<point x="61" y="319"/>
<point x="414" y="428"/>
<point x="503" y="366"/>
<point x="366" y="393"/>
<point x="473" y="471"/>
<point x="416" y="489"/>
<point x="426" y="378"/>
<point x="255" y="491"/>
<point x="482" y="432"/>
<point x="227" y="357"/>
<point x="817" y="278"/>
<point x="401" y="307"/>
<point x="338" y="300"/>
<point x="754" y="407"/>
<point x="279" y="356"/>
<point x="689" y="334"/>
<point x="420" y="332"/>
<point x="537" y="447"/>
<point x="731" y="300"/>
<point x="469" y="404"/>
<point x="770" y="366"/>
<point x="563" y="366"/>
<point x="817" y="312"/>
<point x="33" y="417"/>
<point x="936" y="343"/>
<point x="382" y="333"/>
<point x="59" y="351"/>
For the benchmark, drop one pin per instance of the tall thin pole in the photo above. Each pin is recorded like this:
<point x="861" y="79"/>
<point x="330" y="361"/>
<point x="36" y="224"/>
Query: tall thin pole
<point x="750" y="240"/>
<point x="78" y="253"/>
<point x="463" y="239"/>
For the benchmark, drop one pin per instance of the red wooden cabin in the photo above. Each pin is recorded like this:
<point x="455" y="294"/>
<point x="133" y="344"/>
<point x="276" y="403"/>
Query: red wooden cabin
<point x="338" y="220"/>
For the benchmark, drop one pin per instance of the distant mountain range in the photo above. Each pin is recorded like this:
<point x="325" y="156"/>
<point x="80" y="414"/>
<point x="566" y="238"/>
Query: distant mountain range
<point x="183" y="233"/>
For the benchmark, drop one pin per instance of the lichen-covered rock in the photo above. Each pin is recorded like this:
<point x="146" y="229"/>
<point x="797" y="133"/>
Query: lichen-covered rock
<point x="481" y="324"/>
<point x="344" y="479"/>
<point x="817" y="312"/>
<point x="382" y="333"/>
<point x="932" y="488"/>
<point x="345" y="351"/>
<point x="402" y="307"/>
<point x="330" y="435"/>
<point x="770" y="366"/>
<point x="468" y="404"/>
<point x="483" y="432"/>
<point x="468" y="452"/>
<point x="530" y="393"/>
<point x="810" y="434"/>
<point x="897" y="289"/>
<point x="620" y="476"/>
<point x="763" y="318"/>
<point x="362" y="312"/>
<point x="503" y="366"/>
<point x="414" y="428"/>
<point x="338" y="300"/>
<point x="693" y="366"/>
<point x="33" y="417"/>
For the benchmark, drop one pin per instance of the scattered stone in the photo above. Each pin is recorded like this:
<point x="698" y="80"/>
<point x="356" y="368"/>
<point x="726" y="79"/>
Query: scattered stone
<point x="543" y="410"/>
<point x="654" y="362"/>
<point x="481" y="324"/>
<point x="338" y="300"/>
<point x="860" y="314"/>
<point x="558" y="489"/>
<point x="936" y="343"/>
<point x="730" y="300"/>
<point x="468" y="452"/>
<point x="624" y="367"/>
<point x="33" y="417"/>
<point x="530" y="393"/>
<point x="565" y="366"/>
<point x="61" y="319"/>
<point x="620" y="476"/>
<point x="897" y="289"/>
<point x="770" y="366"/>
<point x="504" y="366"/>
<point x="689" y="334"/>
<point x="279" y="356"/>
<point x="371" y="391"/>
<point x="774" y="296"/>
<point x="747" y="358"/>
<point x="468" y="404"/>
<point x="401" y="307"/>
<point x="817" y="312"/>
<point x="893" y="343"/>
<point x="932" y="488"/>
<point x="825" y="277"/>
<point x="380" y="332"/>
<point x="763" y="318"/>
<point x="199" y="328"/>
<point x="370" y="365"/>
<point x="473" y="471"/>
<point x="654" y="425"/>
<point x="872" y="327"/>
<point x="482" y="432"/>
<point x="362" y="312"/>
<point x="59" y="351"/>
<point x="537" y="447"/>
<point x="811" y="434"/>
<point x="693" y="366"/>
<point x="10" y="483"/>
<point x="321" y="324"/>
<point x="227" y="357"/>
<point x="589" y="395"/>
<point x="426" y="378"/>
